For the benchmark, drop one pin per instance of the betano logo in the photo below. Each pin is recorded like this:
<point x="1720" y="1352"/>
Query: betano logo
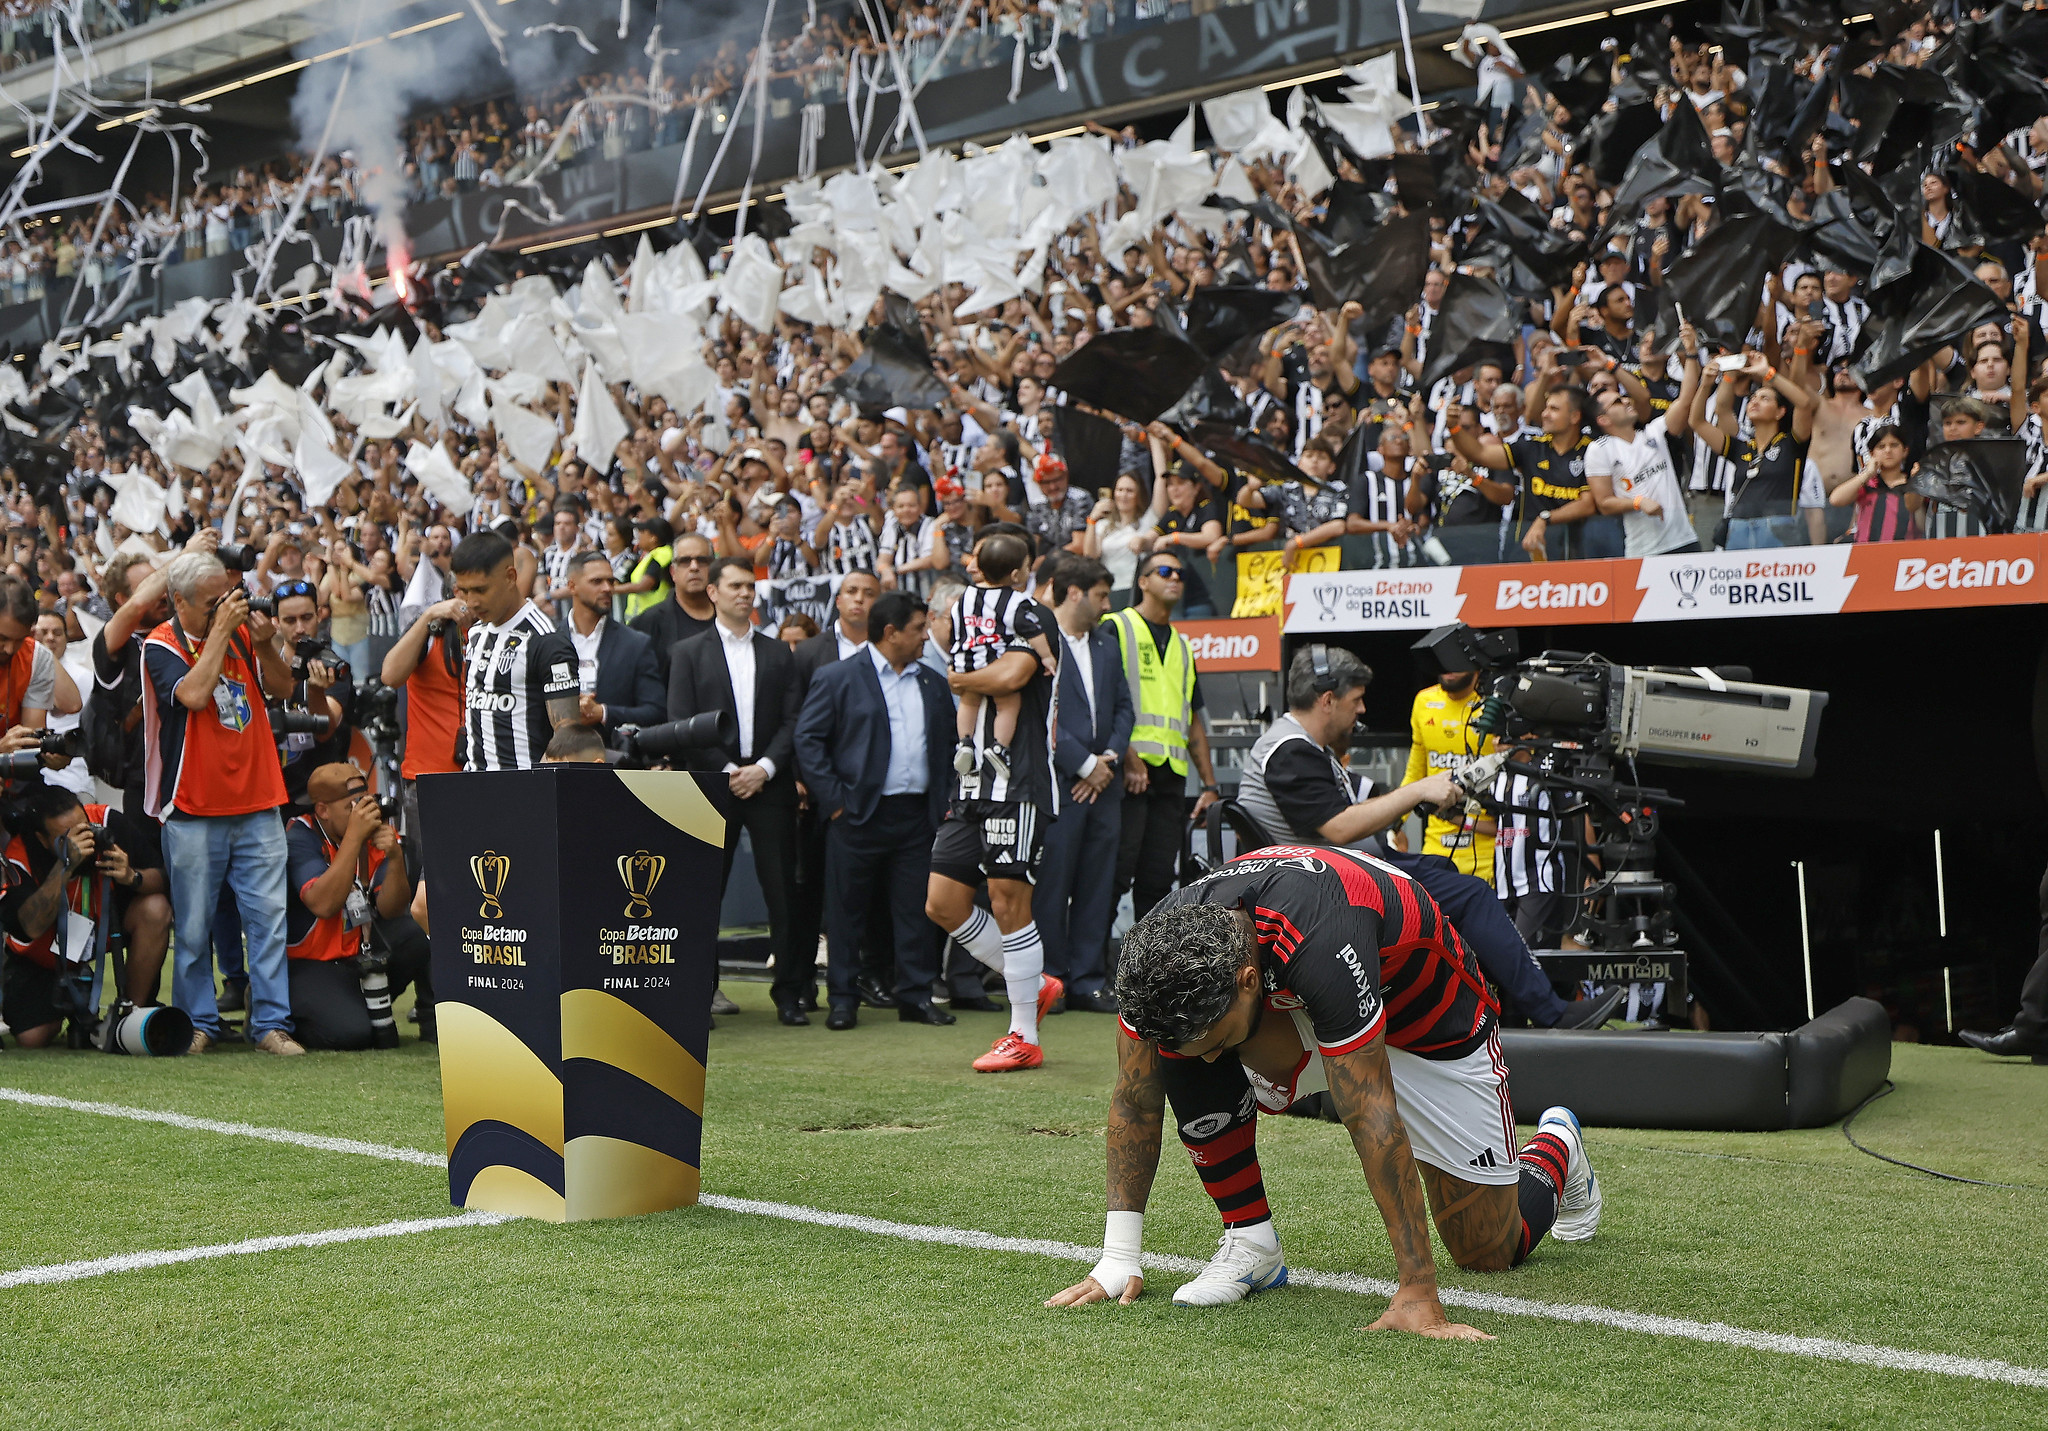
<point x="1550" y="595"/>
<point x="640" y="872"/>
<point x="1214" y="646"/>
<point x="1916" y="573"/>
<point x="490" y="870"/>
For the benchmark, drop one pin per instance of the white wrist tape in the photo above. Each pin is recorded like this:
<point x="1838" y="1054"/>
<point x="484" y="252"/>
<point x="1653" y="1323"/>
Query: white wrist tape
<point x="1123" y="1236"/>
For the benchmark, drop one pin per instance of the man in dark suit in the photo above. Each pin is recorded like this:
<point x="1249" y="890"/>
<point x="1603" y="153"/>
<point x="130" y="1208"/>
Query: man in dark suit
<point x="1076" y="895"/>
<point x="687" y="612"/>
<point x="874" y="744"/>
<point x="733" y="667"/>
<point x="847" y="634"/>
<point x="619" y="680"/>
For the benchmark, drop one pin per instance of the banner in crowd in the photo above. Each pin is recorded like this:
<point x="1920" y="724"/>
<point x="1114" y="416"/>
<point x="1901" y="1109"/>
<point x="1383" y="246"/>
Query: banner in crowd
<point x="573" y="960"/>
<point x="1260" y="574"/>
<point x="1251" y="645"/>
<point x="1698" y="586"/>
<point x="777" y="597"/>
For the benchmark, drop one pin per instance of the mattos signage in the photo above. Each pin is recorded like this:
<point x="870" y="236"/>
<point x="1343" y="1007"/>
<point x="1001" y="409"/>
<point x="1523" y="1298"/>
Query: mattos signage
<point x="1697" y="586"/>
<point x="1250" y="644"/>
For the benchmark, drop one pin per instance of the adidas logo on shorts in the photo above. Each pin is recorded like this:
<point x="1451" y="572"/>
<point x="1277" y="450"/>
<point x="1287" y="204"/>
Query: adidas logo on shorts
<point x="1484" y="1160"/>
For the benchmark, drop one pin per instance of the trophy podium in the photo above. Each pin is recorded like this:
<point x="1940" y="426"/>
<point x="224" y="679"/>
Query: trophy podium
<point x="574" y="911"/>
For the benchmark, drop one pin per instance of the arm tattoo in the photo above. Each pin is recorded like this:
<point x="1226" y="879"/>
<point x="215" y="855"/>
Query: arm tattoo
<point x="562" y="710"/>
<point x="1136" y="1114"/>
<point x="39" y="911"/>
<point x="1362" y="1085"/>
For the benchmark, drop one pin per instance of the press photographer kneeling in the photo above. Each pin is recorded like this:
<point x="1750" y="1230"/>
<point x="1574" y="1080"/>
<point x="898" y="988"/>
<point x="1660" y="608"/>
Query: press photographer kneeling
<point x="351" y="942"/>
<point x="86" y="861"/>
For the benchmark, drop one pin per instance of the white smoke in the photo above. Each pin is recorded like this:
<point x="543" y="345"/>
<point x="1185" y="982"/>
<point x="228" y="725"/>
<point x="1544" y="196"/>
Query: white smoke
<point x="381" y="84"/>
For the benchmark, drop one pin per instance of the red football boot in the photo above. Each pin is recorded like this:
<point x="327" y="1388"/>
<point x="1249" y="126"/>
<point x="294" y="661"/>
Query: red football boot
<point x="1011" y="1054"/>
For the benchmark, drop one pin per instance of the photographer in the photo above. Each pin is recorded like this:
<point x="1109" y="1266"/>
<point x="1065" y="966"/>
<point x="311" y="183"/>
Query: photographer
<point x="322" y="685"/>
<point x="53" y="872"/>
<point x="112" y="723"/>
<point x="218" y="788"/>
<point x="427" y="663"/>
<point x="1296" y="790"/>
<point x="349" y="899"/>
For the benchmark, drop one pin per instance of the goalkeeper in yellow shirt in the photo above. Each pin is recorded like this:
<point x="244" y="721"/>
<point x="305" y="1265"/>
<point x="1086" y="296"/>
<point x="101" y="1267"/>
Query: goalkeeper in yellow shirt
<point x="1440" y="727"/>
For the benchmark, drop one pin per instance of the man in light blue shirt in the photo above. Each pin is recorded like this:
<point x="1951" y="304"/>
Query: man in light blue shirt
<point x="874" y="746"/>
<point x="901" y="693"/>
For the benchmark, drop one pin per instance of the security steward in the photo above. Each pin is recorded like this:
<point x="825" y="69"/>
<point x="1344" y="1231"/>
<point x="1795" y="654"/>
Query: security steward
<point x="1159" y="667"/>
<point x="1442" y="742"/>
<point x="349" y="896"/>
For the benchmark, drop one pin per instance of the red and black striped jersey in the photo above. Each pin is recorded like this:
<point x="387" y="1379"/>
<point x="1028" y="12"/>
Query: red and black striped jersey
<point x="1323" y="915"/>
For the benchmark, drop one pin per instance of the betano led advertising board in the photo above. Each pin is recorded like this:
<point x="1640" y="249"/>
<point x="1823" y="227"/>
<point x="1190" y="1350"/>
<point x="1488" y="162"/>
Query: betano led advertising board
<point x="1697" y="586"/>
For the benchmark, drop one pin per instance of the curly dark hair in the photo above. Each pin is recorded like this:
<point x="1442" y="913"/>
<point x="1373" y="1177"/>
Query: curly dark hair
<point x="1177" y="974"/>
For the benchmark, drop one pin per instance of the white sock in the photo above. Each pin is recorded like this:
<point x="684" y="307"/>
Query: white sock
<point x="1259" y="1234"/>
<point x="1023" y="962"/>
<point x="980" y="937"/>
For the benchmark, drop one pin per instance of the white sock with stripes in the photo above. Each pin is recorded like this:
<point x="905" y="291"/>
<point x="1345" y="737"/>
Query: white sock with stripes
<point x="980" y="937"/>
<point x="1023" y="963"/>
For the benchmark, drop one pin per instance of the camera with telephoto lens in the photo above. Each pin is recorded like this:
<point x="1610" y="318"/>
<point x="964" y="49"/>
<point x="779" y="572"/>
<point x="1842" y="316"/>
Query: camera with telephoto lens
<point x="238" y="556"/>
<point x="285" y="720"/>
<point x="23" y="762"/>
<point x="266" y="605"/>
<point x="642" y="745"/>
<point x="371" y="964"/>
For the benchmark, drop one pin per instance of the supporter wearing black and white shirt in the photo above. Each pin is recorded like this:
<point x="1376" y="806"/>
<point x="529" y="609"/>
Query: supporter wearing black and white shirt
<point x="520" y="677"/>
<point x="911" y="552"/>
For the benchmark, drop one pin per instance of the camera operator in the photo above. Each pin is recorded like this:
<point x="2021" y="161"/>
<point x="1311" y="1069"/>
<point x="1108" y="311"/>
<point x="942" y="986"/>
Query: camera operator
<point x="1296" y="790"/>
<point x="218" y="788"/>
<point x="322" y="684"/>
<point x="349" y="900"/>
<point x="53" y="872"/>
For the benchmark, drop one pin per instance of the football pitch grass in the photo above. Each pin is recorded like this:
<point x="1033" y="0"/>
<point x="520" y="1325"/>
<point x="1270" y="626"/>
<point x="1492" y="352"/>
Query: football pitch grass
<point x="715" y="1317"/>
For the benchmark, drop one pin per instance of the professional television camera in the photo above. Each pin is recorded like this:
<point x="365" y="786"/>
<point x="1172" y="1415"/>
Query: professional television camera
<point x="641" y="745"/>
<point x="1563" y="719"/>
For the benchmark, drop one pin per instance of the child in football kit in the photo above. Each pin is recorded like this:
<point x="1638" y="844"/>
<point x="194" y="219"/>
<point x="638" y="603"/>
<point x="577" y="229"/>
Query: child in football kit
<point x="986" y="627"/>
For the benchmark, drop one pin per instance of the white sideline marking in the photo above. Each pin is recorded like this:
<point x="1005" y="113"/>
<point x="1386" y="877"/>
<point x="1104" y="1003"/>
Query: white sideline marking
<point x="1821" y="1348"/>
<point x="239" y="1130"/>
<point x="1817" y="1348"/>
<point x="136" y="1261"/>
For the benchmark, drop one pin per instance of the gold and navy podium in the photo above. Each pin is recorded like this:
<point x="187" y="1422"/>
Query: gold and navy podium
<point x="575" y="926"/>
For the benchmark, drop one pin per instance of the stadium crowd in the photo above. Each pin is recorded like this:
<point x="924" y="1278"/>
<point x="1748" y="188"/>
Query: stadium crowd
<point x="895" y="533"/>
<point x="503" y="139"/>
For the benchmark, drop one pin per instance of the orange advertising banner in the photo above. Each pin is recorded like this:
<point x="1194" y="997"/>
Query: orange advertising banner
<point x="1696" y="586"/>
<point x="1247" y="644"/>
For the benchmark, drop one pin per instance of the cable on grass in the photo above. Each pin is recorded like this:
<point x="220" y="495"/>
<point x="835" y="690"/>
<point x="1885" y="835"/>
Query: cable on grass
<point x="1891" y="1087"/>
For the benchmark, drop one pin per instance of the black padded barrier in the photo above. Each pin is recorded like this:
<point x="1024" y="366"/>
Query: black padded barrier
<point x="1737" y="1082"/>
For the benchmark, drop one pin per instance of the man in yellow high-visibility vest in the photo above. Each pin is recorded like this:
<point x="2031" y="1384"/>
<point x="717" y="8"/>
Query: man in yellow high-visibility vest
<point x="1440" y="725"/>
<point x="1168" y="734"/>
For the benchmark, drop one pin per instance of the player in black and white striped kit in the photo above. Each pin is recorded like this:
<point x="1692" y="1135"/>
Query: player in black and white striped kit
<point x="521" y="679"/>
<point x="988" y="623"/>
<point x="994" y="828"/>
